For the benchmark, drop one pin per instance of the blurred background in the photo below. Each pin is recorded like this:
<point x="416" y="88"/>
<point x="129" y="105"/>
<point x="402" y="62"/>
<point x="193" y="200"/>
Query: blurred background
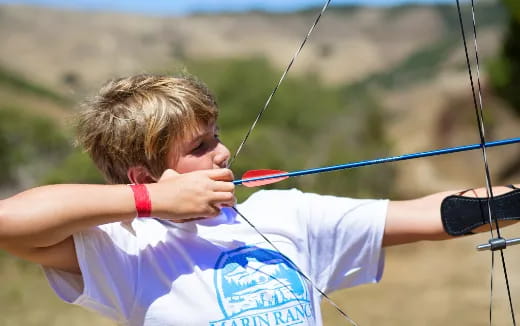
<point x="376" y="78"/>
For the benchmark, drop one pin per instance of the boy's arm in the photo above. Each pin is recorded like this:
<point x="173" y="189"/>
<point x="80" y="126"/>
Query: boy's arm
<point x="420" y="219"/>
<point x="37" y="224"/>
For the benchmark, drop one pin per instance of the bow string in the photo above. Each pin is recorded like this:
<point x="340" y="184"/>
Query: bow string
<point x="246" y="137"/>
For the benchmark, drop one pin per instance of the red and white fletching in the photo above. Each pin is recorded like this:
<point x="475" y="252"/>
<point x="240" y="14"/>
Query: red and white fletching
<point x="251" y="174"/>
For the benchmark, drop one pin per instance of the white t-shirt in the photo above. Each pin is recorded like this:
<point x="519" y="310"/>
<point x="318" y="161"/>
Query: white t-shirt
<point x="220" y="271"/>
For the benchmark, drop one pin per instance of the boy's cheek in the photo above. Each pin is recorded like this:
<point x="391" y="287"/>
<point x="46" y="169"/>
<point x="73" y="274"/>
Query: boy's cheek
<point x="185" y="165"/>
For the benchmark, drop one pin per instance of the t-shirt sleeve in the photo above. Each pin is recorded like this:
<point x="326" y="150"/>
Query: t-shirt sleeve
<point x="345" y="238"/>
<point x="108" y="262"/>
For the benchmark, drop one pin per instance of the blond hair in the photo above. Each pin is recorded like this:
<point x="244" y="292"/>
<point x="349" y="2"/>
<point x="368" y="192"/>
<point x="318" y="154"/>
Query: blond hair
<point x="135" y="121"/>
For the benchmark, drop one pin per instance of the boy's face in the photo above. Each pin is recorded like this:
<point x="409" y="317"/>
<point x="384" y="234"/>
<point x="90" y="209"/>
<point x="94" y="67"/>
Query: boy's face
<point x="203" y="151"/>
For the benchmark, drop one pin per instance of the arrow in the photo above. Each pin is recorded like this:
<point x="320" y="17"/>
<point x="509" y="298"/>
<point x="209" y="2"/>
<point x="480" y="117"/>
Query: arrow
<point x="256" y="178"/>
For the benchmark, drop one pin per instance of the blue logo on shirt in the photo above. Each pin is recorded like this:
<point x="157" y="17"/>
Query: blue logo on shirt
<point x="257" y="286"/>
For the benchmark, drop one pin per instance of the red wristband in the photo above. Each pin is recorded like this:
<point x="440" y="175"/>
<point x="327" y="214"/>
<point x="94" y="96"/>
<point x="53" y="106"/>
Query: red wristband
<point x="143" y="204"/>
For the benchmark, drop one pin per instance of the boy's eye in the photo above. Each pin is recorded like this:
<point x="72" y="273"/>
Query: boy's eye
<point x="199" y="146"/>
<point x="205" y="143"/>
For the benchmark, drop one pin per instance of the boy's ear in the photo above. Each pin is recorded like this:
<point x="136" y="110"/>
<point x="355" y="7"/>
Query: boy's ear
<point x="140" y="174"/>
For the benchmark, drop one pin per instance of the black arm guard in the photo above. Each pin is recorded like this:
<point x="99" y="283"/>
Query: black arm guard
<point x="460" y="215"/>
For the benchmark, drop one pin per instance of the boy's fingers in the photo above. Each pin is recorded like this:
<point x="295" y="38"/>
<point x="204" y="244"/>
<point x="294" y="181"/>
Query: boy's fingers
<point x="221" y="174"/>
<point x="224" y="186"/>
<point x="223" y="199"/>
<point x="212" y="211"/>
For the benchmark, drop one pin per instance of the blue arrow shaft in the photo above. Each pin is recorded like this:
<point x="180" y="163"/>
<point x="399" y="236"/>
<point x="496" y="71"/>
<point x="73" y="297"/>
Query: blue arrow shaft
<point x="381" y="160"/>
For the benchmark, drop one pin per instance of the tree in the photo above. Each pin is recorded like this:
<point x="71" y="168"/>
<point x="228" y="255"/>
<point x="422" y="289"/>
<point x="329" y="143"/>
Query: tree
<point x="505" y="70"/>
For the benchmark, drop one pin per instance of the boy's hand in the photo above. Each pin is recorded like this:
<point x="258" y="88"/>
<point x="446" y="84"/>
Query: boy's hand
<point x="192" y="195"/>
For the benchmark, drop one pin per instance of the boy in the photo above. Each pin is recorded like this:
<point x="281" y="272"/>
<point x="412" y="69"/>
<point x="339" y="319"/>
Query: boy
<point x="192" y="260"/>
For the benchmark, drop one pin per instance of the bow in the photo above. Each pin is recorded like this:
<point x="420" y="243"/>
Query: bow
<point x="496" y="242"/>
<point x="477" y="98"/>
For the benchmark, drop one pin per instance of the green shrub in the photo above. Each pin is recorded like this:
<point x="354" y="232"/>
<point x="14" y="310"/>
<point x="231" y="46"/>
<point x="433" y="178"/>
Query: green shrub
<point x="28" y="144"/>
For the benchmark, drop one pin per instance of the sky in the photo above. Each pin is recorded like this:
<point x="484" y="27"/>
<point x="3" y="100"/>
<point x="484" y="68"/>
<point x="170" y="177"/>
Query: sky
<point x="181" y="7"/>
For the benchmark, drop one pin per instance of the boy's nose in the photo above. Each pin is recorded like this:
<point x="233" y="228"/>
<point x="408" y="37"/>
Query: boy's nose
<point x="222" y="155"/>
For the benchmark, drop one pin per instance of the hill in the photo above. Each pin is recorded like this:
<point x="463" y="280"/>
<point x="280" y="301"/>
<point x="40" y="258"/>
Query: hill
<point x="410" y="57"/>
